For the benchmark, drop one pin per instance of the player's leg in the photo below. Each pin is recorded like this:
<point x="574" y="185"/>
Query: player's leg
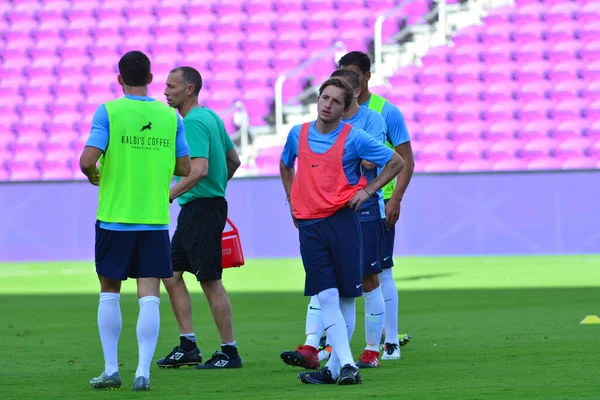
<point x="152" y="261"/>
<point x="321" y="281"/>
<point x="391" y="340"/>
<point x="374" y="305"/>
<point x="187" y="353"/>
<point x="113" y="253"/>
<point x="306" y="356"/>
<point x="347" y="249"/>
<point x="205" y="250"/>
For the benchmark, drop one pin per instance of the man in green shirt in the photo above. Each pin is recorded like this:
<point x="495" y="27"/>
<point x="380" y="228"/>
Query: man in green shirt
<point x="196" y="245"/>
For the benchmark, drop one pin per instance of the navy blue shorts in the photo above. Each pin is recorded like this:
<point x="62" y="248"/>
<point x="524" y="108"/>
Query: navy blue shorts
<point x="331" y="252"/>
<point x="387" y="255"/>
<point x="373" y="235"/>
<point x="133" y="254"/>
<point x="197" y="243"/>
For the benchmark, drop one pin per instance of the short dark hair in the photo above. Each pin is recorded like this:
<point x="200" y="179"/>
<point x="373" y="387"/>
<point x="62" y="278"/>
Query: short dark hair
<point x="352" y="77"/>
<point x="191" y="76"/>
<point x="348" y="92"/>
<point x="134" y="68"/>
<point x="358" y="58"/>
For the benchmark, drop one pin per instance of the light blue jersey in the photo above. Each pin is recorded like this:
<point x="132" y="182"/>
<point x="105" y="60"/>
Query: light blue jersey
<point x="374" y="124"/>
<point x="397" y="133"/>
<point x="359" y="146"/>
<point x="99" y="138"/>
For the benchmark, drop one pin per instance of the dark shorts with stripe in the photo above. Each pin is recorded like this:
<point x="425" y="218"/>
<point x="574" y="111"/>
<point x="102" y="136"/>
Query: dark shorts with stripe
<point x="373" y="233"/>
<point x="132" y="254"/>
<point x="331" y="252"/>
<point x="197" y="243"/>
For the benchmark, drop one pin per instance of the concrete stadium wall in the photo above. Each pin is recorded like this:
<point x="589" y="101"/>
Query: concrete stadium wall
<point x="458" y="214"/>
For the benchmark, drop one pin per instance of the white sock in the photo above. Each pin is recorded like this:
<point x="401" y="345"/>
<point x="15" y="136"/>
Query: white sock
<point x="189" y="336"/>
<point x="109" y="326"/>
<point x="348" y="307"/>
<point x="148" y="326"/>
<point x="374" y="318"/>
<point x="335" y="326"/>
<point x="233" y="344"/>
<point x="314" y="323"/>
<point x="390" y="297"/>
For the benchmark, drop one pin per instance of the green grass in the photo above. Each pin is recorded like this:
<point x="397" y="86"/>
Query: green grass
<point x="482" y="327"/>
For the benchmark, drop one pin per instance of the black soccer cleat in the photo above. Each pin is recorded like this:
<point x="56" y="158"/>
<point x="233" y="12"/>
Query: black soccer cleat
<point x="349" y="375"/>
<point x="320" y="377"/>
<point x="220" y="360"/>
<point x="179" y="357"/>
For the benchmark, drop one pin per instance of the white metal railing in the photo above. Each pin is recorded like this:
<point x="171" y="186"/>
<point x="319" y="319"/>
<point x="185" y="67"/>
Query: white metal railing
<point x="237" y="111"/>
<point x="337" y="47"/>
<point x="378" y="34"/>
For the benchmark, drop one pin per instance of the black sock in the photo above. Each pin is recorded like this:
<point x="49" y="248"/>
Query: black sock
<point x="231" y="351"/>
<point x="186" y="344"/>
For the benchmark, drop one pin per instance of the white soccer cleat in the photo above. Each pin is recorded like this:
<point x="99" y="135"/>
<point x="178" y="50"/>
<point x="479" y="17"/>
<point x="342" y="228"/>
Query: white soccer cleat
<point x="391" y="351"/>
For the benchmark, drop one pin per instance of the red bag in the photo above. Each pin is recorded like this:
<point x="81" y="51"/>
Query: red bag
<point x="233" y="256"/>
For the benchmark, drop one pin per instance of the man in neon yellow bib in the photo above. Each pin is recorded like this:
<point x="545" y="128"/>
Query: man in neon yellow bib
<point x="393" y="192"/>
<point x="140" y="144"/>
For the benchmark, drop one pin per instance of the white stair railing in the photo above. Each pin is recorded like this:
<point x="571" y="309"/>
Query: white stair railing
<point x="334" y="50"/>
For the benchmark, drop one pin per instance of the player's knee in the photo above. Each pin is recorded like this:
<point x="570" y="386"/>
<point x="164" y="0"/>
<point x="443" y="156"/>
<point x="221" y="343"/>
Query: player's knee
<point x="174" y="283"/>
<point x="328" y="298"/>
<point x="370" y="282"/>
<point x="386" y="275"/>
<point x="109" y="285"/>
<point x="148" y="287"/>
<point x="213" y="289"/>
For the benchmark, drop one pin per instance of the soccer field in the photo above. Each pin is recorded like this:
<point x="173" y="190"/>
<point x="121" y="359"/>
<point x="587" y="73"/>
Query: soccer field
<point x="482" y="328"/>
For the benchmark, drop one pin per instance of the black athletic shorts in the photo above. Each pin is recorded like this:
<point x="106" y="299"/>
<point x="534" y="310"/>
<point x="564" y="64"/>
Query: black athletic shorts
<point x="196" y="246"/>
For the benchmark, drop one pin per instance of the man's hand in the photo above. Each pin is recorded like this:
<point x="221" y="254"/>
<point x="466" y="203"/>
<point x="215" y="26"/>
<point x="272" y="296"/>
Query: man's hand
<point x="392" y="213"/>
<point x="356" y="201"/>
<point x="94" y="178"/>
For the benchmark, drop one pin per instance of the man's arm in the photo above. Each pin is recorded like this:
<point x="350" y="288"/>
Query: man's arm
<point x="183" y="163"/>
<point x="199" y="169"/>
<point x="389" y="172"/>
<point x="96" y="145"/>
<point x="183" y="166"/>
<point x="233" y="162"/>
<point x="286" y="165"/>
<point x="392" y="208"/>
<point x="198" y="146"/>
<point x="379" y="154"/>
<point x="87" y="164"/>
<point x="287" y="178"/>
<point x="399" y="137"/>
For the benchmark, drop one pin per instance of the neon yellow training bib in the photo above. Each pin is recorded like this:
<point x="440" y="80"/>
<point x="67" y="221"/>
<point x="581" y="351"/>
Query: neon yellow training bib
<point x="376" y="104"/>
<point x="137" y="167"/>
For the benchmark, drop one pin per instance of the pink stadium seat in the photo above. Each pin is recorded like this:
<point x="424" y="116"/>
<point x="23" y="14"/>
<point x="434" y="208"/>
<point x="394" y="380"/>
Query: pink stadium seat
<point x="533" y="69"/>
<point x="545" y="163"/>
<point x="22" y="171"/>
<point x="581" y="163"/>
<point x="253" y="7"/>
<point x="572" y="148"/>
<point x="15" y="39"/>
<point x="503" y="149"/>
<point x="570" y="129"/>
<point x="538" y="148"/>
<point x="55" y="170"/>
<point x="535" y="129"/>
